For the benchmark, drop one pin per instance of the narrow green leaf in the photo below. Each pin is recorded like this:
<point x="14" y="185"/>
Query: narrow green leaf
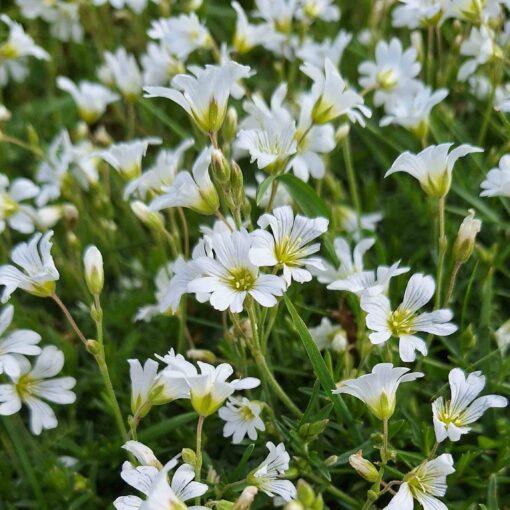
<point x="264" y="186"/>
<point x="305" y="196"/>
<point x="164" y="118"/>
<point x="492" y="493"/>
<point x="164" y="427"/>
<point x="319" y="366"/>
<point x="236" y="475"/>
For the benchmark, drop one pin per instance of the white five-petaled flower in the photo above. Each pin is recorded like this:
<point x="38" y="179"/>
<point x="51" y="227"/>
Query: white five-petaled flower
<point x="404" y="322"/>
<point x="204" y="95"/>
<point x="393" y="70"/>
<point x="379" y="389"/>
<point x="159" y="65"/>
<point x="39" y="272"/>
<point x="126" y="157"/>
<point x="316" y="53"/>
<point x="268" y="477"/>
<point x="424" y="483"/>
<point x="481" y="47"/>
<point x="33" y="384"/>
<point x="16" y="344"/>
<point x="121" y="70"/>
<point x="181" y="34"/>
<point x="329" y="336"/>
<point x="91" y="98"/>
<point x="332" y="97"/>
<point x="246" y="35"/>
<point x="19" y="44"/>
<point x="318" y="9"/>
<point x="453" y="417"/>
<point x="242" y="418"/>
<point x="415" y="13"/>
<point x="497" y="182"/>
<point x="290" y="244"/>
<point x="208" y="389"/>
<point x="18" y="216"/>
<point x="432" y="166"/>
<point x="151" y="479"/>
<point x="230" y="276"/>
<point x="191" y="189"/>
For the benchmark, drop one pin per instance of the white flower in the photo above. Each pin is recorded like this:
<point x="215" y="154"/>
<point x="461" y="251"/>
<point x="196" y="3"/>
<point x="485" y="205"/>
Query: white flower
<point x="502" y="335"/>
<point x="412" y="110"/>
<point x="161" y="174"/>
<point x="204" y="96"/>
<point x="19" y="44"/>
<point x="502" y="100"/>
<point x="329" y="336"/>
<point x="121" y="70"/>
<point x="162" y="281"/>
<point x="246" y="35"/>
<point x="208" y="389"/>
<point x="290" y="245"/>
<point x="242" y="418"/>
<point x="194" y="190"/>
<point x="18" y="216"/>
<point x="126" y="157"/>
<point x="415" y="13"/>
<point x="5" y="114"/>
<point x="268" y="477"/>
<point x="230" y="276"/>
<point x="142" y="453"/>
<point x="277" y="12"/>
<point x="270" y="146"/>
<point x="379" y="389"/>
<point x="474" y="11"/>
<point x="65" y="24"/>
<point x="480" y="45"/>
<point x="432" y="166"/>
<point x="318" y="9"/>
<point x="181" y="34"/>
<point x="453" y="417"/>
<point x="15" y="344"/>
<point x="316" y="53"/>
<point x="91" y="98"/>
<point x="34" y="384"/>
<point x="159" y="65"/>
<point x="497" y="182"/>
<point x="332" y="97"/>
<point x="394" y="70"/>
<point x="39" y="272"/>
<point x="348" y="219"/>
<point x="404" y="321"/>
<point x="152" y="480"/>
<point x="424" y="484"/>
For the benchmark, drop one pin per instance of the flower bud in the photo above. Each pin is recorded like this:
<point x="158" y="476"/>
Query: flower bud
<point x="237" y="183"/>
<point x="331" y="460"/>
<point x="342" y="132"/>
<point x="305" y="493"/>
<point x="502" y="335"/>
<point x="230" y="125"/>
<point x="220" y="166"/>
<point x="5" y="114"/>
<point x="363" y="467"/>
<point x="465" y="242"/>
<point x="246" y="498"/>
<point x="151" y="219"/>
<point x="201" y="355"/>
<point x="188" y="456"/>
<point x="94" y="274"/>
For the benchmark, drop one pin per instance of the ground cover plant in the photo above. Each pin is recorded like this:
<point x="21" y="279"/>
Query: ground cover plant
<point x="254" y="254"/>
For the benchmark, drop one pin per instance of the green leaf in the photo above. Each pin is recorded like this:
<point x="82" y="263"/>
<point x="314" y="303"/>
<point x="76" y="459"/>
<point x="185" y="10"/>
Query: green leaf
<point x="164" y="427"/>
<point x="319" y="367"/>
<point x="305" y="196"/>
<point x="244" y="460"/>
<point x="492" y="493"/>
<point x="264" y="186"/>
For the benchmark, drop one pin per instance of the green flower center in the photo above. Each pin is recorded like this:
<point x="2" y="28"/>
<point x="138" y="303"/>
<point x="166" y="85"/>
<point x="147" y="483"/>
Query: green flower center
<point x="288" y="251"/>
<point x="241" y="279"/>
<point x="246" y="413"/>
<point x="401" y="322"/>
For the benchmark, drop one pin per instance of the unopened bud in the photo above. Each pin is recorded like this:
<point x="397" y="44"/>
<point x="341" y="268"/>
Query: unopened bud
<point x="202" y="355"/>
<point x="465" y="242"/>
<point x="230" y="125"/>
<point x="246" y="498"/>
<point x="363" y="467"/>
<point x="305" y="493"/>
<point x="151" y="219"/>
<point x="237" y="182"/>
<point x="342" y="132"/>
<point x="5" y="114"/>
<point x="94" y="273"/>
<point x="331" y="460"/>
<point x="309" y="431"/>
<point x="93" y="347"/>
<point x="70" y="213"/>
<point x="102" y="136"/>
<point x="188" y="456"/>
<point x="220" y="165"/>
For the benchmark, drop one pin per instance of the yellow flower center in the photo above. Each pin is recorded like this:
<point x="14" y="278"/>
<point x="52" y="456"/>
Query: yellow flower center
<point x="246" y="413"/>
<point x="288" y="251"/>
<point x="241" y="279"/>
<point x="401" y="322"/>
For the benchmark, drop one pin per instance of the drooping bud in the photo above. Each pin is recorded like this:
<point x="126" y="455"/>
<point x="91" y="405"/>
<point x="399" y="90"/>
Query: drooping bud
<point x="465" y="241"/>
<point x="94" y="274"/>
<point x="363" y="467"/>
<point x="152" y="219"/>
<point x="246" y="498"/>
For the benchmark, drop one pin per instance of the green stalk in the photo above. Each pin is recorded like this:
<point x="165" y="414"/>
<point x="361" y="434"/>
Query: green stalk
<point x="351" y="176"/>
<point x="442" y="247"/>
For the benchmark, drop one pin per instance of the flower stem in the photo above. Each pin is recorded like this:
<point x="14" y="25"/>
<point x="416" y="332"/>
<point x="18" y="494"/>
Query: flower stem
<point x="198" y="452"/>
<point x="272" y="196"/>
<point x="265" y="371"/>
<point x="69" y="318"/>
<point x="20" y="143"/>
<point x="185" y="230"/>
<point x="385" y="442"/>
<point x="346" y="147"/>
<point x="451" y="285"/>
<point x="442" y="247"/>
